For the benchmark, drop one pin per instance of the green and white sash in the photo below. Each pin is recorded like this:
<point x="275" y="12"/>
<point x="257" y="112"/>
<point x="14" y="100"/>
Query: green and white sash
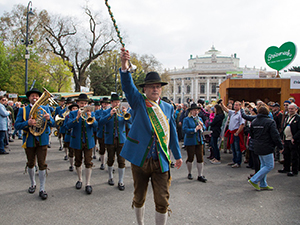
<point x="160" y="125"/>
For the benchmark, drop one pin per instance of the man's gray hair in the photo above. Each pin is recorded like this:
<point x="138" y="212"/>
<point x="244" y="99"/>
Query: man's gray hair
<point x="294" y="105"/>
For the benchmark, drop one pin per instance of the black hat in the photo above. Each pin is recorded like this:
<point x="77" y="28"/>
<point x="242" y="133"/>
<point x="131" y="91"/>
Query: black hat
<point x="83" y="97"/>
<point x="62" y="99"/>
<point x="104" y="100"/>
<point x="276" y="104"/>
<point x="69" y="100"/>
<point x="152" y="78"/>
<point x="200" y="101"/>
<point x="33" y="90"/>
<point x="71" y="106"/>
<point x="114" y="97"/>
<point x="96" y="103"/>
<point x="165" y="99"/>
<point x="124" y="100"/>
<point x="194" y="106"/>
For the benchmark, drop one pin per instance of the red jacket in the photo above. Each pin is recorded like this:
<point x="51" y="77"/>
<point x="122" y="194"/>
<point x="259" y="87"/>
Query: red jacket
<point x="229" y="134"/>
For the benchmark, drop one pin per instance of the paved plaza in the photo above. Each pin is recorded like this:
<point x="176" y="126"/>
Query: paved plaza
<point x="226" y="198"/>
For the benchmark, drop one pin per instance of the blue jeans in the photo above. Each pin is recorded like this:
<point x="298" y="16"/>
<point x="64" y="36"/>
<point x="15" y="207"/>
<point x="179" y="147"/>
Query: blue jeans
<point x="216" y="150"/>
<point x="2" y="138"/>
<point x="19" y="133"/>
<point x="236" y="152"/>
<point x="266" y="165"/>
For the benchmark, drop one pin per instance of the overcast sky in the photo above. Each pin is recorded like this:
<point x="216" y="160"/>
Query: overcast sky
<point x="172" y="30"/>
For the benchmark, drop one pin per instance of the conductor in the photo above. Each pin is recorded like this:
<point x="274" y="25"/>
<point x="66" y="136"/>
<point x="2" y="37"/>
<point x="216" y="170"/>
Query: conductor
<point x="153" y="131"/>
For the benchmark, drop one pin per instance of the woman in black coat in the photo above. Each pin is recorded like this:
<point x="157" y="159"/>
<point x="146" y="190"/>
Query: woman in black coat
<point x="265" y="137"/>
<point x="215" y="127"/>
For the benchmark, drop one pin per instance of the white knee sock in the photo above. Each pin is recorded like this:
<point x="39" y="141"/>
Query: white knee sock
<point x="88" y="174"/>
<point x="71" y="161"/>
<point x="110" y="172"/>
<point x="161" y="218"/>
<point x="102" y="159"/>
<point x="189" y="166"/>
<point x="31" y="173"/>
<point x="60" y="142"/>
<point x="79" y="173"/>
<point x="121" y="175"/>
<point x="200" y="167"/>
<point x="42" y="176"/>
<point x="139" y="213"/>
<point x="66" y="151"/>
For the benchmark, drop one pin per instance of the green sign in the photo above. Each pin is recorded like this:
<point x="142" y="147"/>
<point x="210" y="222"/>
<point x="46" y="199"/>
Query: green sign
<point x="278" y="58"/>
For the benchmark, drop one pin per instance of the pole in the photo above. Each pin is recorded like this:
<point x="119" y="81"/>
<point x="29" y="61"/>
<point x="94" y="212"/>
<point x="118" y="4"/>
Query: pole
<point x="116" y="75"/>
<point x="26" y="44"/>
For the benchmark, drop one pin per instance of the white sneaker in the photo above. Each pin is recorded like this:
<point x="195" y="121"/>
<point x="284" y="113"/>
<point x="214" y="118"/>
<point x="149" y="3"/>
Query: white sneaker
<point x="236" y="165"/>
<point x="216" y="162"/>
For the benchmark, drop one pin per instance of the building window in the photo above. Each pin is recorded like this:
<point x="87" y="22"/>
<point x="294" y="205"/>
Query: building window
<point x="179" y="100"/>
<point x="172" y="89"/>
<point x="179" y="89"/>
<point x="213" y="88"/>
<point x="188" y="89"/>
<point x="202" y="88"/>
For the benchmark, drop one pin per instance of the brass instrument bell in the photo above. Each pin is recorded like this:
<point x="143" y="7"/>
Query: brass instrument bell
<point x="89" y="119"/>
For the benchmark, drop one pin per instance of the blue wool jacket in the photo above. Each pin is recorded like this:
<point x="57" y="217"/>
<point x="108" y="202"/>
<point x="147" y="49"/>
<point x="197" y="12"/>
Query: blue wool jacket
<point x="109" y="122"/>
<point x="190" y="136"/>
<point x="136" y="147"/>
<point x="67" y="131"/>
<point x="81" y="131"/>
<point x="22" y="124"/>
<point x="100" y="128"/>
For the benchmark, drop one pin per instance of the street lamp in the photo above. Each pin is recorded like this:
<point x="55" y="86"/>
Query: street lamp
<point x="29" y="12"/>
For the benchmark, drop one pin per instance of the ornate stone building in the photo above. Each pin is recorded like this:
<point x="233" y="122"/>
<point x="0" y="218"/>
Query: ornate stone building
<point x="203" y="76"/>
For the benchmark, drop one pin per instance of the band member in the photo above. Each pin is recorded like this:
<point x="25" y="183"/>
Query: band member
<point x="105" y="102"/>
<point x="52" y="111"/>
<point x="35" y="146"/>
<point x="97" y="108"/>
<point x="71" y="107"/>
<point x="82" y="140"/>
<point x="63" y="130"/>
<point x="114" y="139"/>
<point x="153" y="130"/>
<point x="58" y="109"/>
<point x="192" y="128"/>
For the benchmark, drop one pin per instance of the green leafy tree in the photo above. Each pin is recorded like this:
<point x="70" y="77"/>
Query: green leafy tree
<point x="4" y="68"/>
<point x="59" y="74"/>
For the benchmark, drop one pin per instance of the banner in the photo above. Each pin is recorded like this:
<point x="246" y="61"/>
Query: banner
<point x="295" y="82"/>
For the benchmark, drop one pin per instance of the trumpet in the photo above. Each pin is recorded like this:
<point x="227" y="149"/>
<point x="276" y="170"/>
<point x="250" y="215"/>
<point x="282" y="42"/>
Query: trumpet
<point x="89" y="120"/>
<point x="121" y="113"/>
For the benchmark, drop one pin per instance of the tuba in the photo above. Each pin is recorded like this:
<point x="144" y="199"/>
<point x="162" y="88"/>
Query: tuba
<point x="89" y="120"/>
<point x="37" y="113"/>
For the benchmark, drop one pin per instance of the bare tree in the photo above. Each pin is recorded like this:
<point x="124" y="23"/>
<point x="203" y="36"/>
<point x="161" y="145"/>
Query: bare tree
<point x="67" y="42"/>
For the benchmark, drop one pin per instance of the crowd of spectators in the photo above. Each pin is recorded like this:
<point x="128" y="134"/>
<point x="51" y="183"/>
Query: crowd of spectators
<point x="231" y="129"/>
